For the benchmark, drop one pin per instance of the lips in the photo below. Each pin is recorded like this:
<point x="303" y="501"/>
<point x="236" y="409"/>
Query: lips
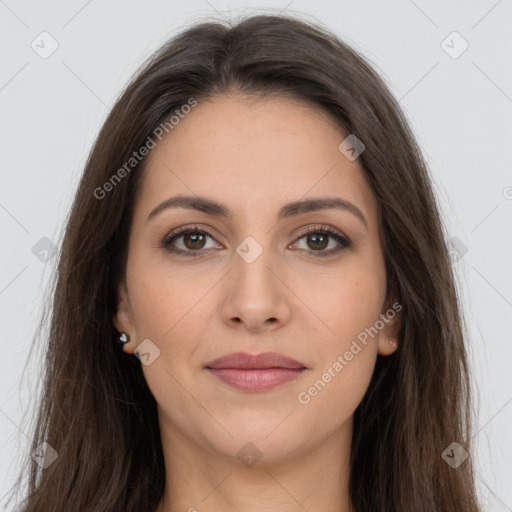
<point x="255" y="372"/>
<point x="243" y="360"/>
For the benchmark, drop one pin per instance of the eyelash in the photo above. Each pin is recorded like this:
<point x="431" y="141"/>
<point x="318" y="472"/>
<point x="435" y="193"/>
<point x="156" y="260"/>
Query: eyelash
<point x="323" y="230"/>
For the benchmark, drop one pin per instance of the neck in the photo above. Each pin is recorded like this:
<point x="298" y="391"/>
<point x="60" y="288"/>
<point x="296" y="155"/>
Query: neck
<point x="198" y="478"/>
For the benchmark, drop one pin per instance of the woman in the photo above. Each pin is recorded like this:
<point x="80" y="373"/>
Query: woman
<point x="256" y="228"/>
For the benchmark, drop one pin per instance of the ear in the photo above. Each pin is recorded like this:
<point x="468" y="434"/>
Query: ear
<point x="392" y="319"/>
<point x="123" y="318"/>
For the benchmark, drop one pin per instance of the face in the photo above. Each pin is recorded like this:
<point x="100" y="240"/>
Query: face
<point x="254" y="275"/>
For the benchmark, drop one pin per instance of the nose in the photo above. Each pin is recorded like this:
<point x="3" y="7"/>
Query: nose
<point x="256" y="296"/>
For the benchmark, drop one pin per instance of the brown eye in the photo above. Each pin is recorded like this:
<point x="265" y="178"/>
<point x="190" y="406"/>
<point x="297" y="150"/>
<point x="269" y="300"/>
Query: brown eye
<point x="193" y="241"/>
<point x="189" y="241"/>
<point x="317" y="241"/>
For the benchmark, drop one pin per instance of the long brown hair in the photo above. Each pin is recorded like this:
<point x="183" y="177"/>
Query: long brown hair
<point x="97" y="411"/>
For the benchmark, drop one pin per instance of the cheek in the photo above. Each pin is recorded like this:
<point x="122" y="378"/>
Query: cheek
<point x="346" y="356"/>
<point x="346" y="303"/>
<point x="331" y="396"/>
<point x="167" y="301"/>
<point x="345" y="342"/>
<point x="172" y="311"/>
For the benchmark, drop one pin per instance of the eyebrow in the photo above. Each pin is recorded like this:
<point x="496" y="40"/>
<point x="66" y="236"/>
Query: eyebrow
<point x="211" y="207"/>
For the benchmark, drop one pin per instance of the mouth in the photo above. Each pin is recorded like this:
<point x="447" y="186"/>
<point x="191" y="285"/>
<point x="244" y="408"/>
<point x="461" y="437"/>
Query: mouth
<point x="255" y="372"/>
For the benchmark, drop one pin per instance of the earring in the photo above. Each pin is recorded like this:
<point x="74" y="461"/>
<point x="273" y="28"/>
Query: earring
<point x="392" y="342"/>
<point x="123" y="338"/>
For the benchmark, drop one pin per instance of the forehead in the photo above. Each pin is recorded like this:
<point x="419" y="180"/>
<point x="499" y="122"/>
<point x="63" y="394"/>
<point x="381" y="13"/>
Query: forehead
<point x="251" y="152"/>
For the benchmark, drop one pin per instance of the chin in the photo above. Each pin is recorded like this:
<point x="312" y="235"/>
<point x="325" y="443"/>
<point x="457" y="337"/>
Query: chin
<point x="252" y="447"/>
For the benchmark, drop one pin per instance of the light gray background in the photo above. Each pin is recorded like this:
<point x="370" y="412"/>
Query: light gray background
<point x="460" y="109"/>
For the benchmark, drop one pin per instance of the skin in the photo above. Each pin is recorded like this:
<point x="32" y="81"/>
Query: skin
<point x="254" y="156"/>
